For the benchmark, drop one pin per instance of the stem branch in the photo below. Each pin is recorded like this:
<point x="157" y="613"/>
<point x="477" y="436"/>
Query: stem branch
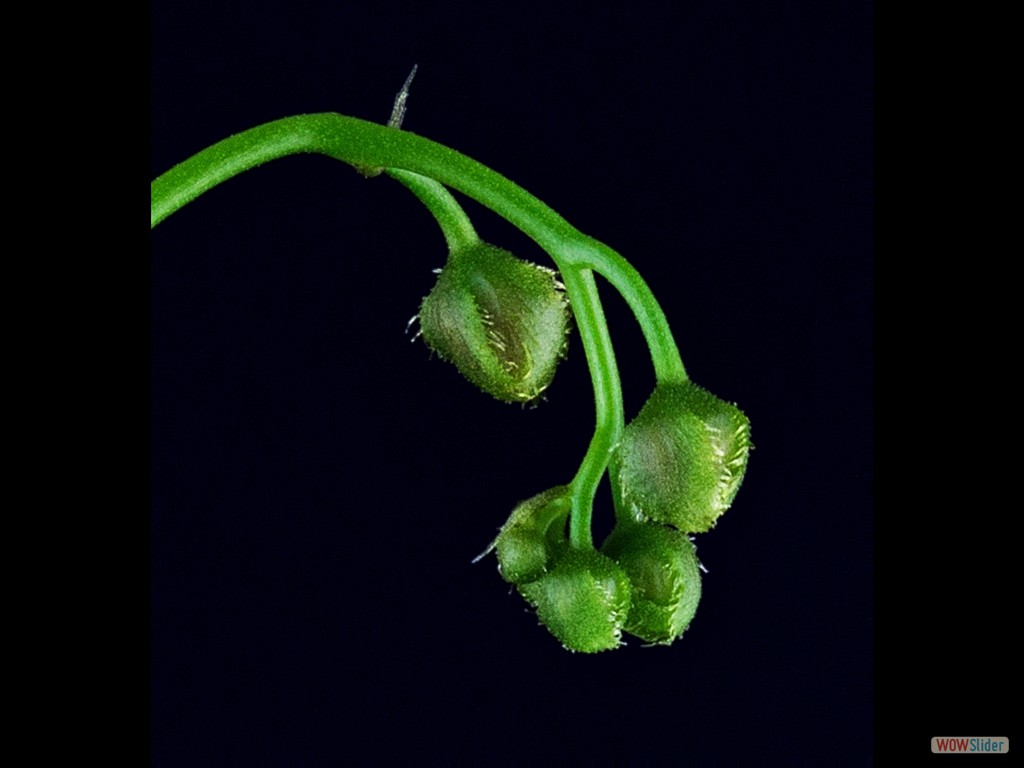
<point x="455" y="224"/>
<point x="604" y="374"/>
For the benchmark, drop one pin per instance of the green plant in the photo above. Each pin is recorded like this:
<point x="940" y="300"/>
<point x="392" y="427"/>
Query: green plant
<point x="503" y="322"/>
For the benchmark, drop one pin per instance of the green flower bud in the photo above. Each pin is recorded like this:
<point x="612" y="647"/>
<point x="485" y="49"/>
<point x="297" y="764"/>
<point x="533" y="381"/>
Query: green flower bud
<point x="583" y="600"/>
<point x="682" y="459"/>
<point x="526" y="544"/>
<point x="502" y="321"/>
<point x="662" y="567"/>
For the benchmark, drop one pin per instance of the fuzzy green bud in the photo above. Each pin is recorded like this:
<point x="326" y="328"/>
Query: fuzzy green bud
<point x="503" y="322"/>
<point x="682" y="459"/>
<point x="583" y="601"/>
<point x="527" y="542"/>
<point x="662" y="567"/>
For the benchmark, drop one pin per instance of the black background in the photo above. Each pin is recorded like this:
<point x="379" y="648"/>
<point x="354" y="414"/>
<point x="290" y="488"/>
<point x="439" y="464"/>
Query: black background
<point x="320" y="485"/>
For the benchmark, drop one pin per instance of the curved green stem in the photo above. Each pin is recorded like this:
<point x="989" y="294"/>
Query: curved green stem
<point x="604" y="374"/>
<point x="368" y="146"/>
<point x="668" y="365"/>
<point x="424" y="166"/>
<point x="365" y="146"/>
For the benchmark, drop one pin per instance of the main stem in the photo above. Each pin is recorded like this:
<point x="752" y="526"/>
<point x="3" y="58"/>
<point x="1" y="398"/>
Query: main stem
<point x="370" y="147"/>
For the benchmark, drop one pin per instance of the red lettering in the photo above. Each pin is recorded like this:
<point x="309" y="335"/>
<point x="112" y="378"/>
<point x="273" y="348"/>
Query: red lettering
<point x="951" y="745"/>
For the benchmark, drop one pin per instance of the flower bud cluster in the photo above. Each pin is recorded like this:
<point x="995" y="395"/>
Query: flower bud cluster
<point x="678" y="466"/>
<point x="644" y="580"/>
<point x="504" y="323"/>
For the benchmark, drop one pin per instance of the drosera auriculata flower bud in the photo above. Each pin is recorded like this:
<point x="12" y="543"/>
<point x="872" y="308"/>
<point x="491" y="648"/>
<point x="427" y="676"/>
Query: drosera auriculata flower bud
<point x="502" y="321"/>
<point x="662" y="567"/>
<point x="682" y="459"/>
<point x="583" y="601"/>
<point x="527" y="543"/>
